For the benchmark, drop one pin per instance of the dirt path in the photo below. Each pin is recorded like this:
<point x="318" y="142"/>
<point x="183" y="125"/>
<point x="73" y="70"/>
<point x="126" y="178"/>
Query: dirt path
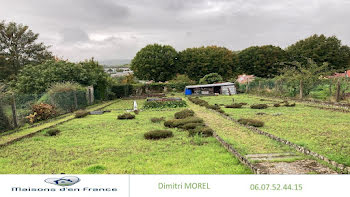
<point x="268" y="155"/>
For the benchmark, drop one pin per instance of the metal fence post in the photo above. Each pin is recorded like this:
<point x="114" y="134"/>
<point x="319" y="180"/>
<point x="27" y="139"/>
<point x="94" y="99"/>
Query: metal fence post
<point x="14" y="113"/>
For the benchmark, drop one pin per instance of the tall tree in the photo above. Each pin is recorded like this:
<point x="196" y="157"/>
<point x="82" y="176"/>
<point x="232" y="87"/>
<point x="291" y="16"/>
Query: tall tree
<point x="321" y="49"/>
<point x="155" y="62"/>
<point x="19" y="47"/>
<point x="261" y="61"/>
<point x="198" y="62"/>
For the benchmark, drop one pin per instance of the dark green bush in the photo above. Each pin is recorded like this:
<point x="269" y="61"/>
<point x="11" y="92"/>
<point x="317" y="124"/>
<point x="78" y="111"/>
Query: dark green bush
<point x="52" y="132"/>
<point x="180" y="122"/>
<point x="213" y="107"/>
<point x="158" y="134"/>
<point x="184" y="114"/>
<point x="191" y="125"/>
<point x="234" y="105"/>
<point x="122" y="90"/>
<point x="198" y="101"/>
<point x="289" y="105"/>
<point x="155" y="119"/>
<point x="126" y="116"/>
<point x="251" y="122"/>
<point x="276" y="105"/>
<point x="164" y="104"/>
<point x="259" y="106"/>
<point x="203" y="131"/>
<point x="81" y="113"/>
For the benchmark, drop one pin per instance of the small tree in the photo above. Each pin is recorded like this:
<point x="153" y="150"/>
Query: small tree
<point x="303" y="76"/>
<point x="211" y="78"/>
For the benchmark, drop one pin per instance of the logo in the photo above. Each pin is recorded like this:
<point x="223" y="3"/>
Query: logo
<point x="64" y="181"/>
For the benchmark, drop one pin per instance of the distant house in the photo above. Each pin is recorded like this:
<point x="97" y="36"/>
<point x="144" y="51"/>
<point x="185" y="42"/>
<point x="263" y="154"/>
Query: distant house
<point x="337" y="75"/>
<point x="227" y="88"/>
<point x="243" y="79"/>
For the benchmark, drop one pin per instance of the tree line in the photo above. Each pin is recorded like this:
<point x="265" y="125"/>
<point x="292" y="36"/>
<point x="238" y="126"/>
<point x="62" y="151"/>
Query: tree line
<point x="162" y="62"/>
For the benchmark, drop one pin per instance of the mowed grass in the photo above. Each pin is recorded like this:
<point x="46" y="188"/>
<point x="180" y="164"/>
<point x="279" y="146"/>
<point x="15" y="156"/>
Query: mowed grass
<point x="241" y="138"/>
<point x="322" y="131"/>
<point x="104" y="145"/>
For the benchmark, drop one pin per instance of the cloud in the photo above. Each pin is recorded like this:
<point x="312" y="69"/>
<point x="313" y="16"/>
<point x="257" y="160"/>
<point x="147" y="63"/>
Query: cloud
<point x="108" y="29"/>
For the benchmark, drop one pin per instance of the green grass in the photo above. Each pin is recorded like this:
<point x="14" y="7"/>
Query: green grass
<point x="103" y="144"/>
<point x="322" y="131"/>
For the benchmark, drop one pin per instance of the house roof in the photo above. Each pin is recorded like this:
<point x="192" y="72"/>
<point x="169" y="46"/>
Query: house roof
<point x="210" y="85"/>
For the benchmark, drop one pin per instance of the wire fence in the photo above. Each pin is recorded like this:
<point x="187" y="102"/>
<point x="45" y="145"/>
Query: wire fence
<point x="15" y="108"/>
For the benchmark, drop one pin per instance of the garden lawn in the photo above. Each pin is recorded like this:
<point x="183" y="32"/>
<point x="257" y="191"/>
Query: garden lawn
<point x="102" y="144"/>
<point x="322" y="131"/>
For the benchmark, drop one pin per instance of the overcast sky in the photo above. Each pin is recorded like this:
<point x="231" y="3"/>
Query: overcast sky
<point x="112" y="29"/>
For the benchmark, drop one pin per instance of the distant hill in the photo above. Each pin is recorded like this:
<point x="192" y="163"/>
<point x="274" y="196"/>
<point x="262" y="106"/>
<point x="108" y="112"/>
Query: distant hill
<point x="114" y="62"/>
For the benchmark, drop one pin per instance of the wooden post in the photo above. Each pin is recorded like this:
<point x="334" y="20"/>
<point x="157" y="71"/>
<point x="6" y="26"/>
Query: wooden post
<point x="14" y="113"/>
<point x="301" y="89"/>
<point x="75" y="100"/>
<point x="338" y="91"/>
<point x="259" y="85"/>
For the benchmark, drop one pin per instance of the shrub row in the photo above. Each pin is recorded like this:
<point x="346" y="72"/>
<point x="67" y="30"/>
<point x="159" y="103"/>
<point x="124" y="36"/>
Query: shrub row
<point x="234" y="105"/>
<point x="184" y="114"/>
<point x="158" y="134"/>
<point x="165" y="104"/>
<point x="259" y="106"/>
<point x="181" y="122"/>
<point x="155" y="119"/>
<point x="204" y="131"/>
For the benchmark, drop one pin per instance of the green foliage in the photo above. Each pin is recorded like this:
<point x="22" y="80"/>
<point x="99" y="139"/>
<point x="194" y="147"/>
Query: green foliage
<point x="120" y="91"/>
<point x="198" y="101"/>
<point x="155" y="62"/>
<point x="213" y="107"/>
<point x="81" y="113"/>
<point x="198" y="62"/>
<point x="192" y="125"/>
<point x="156" y="120"/>
<point x="203" y="131"/>
<point x="164" y="104"/>
<point x="259" y="106"/>
<point x="19" y="47"/>
<point x="321" y="49"/>
<point x="182" y="78"/>
<point x="96" y="169"/>
<point x="184" y="114"/>
<point x="126" y="116"/>
<point x="37" y="79"/>
<point x="211" y="78"/>
<point x="234" y="105"/>
<point x="261" y="61"/>
<point x="251" y="122"/>
<point x="52" y="132"/>
<point x="158" y="134"/>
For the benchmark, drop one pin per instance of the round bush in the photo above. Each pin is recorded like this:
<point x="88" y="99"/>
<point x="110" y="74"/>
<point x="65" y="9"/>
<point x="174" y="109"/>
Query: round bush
<point x="259" y="106"/>
<point x="156" y="120"/>
<point x="234" y="105"/>
<point x="184" y="114"/>
<point x="52" y="132"/>
<point x="251" y="122"/>
<point x="81" y="113"/>
<point x="126" y="116"/>
<point x="158" y="134"/>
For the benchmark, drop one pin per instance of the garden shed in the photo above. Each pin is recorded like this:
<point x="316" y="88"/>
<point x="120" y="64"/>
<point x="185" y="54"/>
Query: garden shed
<point x="226" y="88"/>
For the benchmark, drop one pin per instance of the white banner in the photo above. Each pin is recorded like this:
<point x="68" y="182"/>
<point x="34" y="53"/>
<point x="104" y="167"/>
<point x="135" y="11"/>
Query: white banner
<point x="174" y="185"/>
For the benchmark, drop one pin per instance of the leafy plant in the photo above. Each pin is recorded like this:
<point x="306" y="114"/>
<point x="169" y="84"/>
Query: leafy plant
<point x="40" y="112"/>
<point x="155" y="119"/>
<point x="158" y="134"/>
<point x="126" y="116"/>
<point x="191" y="125"/>
<point x="251" y="122"/>
<point x="184" y="114"/>
<point x="211" y="78"/>
<point x="181" y="122"/>
<point x="52" y="132"/>
<point x="81" y="113"/>
<point x="203" y="131"/>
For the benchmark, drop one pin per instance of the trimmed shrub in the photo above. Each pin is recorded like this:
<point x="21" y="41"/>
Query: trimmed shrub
<point x="251" y="122"/>
<point x="165" y="104"/>
<point x="126" y="116"/>
<point x="191" y="125"/>
<point x="180" y="122"/>
<point x="276" y="105"/>
<point x="214" y="107"/>
<point x="289" y="105"/>
<point x="184" y="114"/>
<point x="81" y="113"/>
<point x="203" y="131"/>
<point x="234" y="105"/>
<point x="40" y="112"/>
<point x="158" y="134"/>
<point x="198" y="101"/>
<point x="52" y="132"/>
<point x="155" y="119"/>
<point x="259" y="106"/>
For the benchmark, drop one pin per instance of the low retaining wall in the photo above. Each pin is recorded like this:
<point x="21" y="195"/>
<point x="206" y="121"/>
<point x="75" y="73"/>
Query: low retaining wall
<point x="241" y="158"/>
